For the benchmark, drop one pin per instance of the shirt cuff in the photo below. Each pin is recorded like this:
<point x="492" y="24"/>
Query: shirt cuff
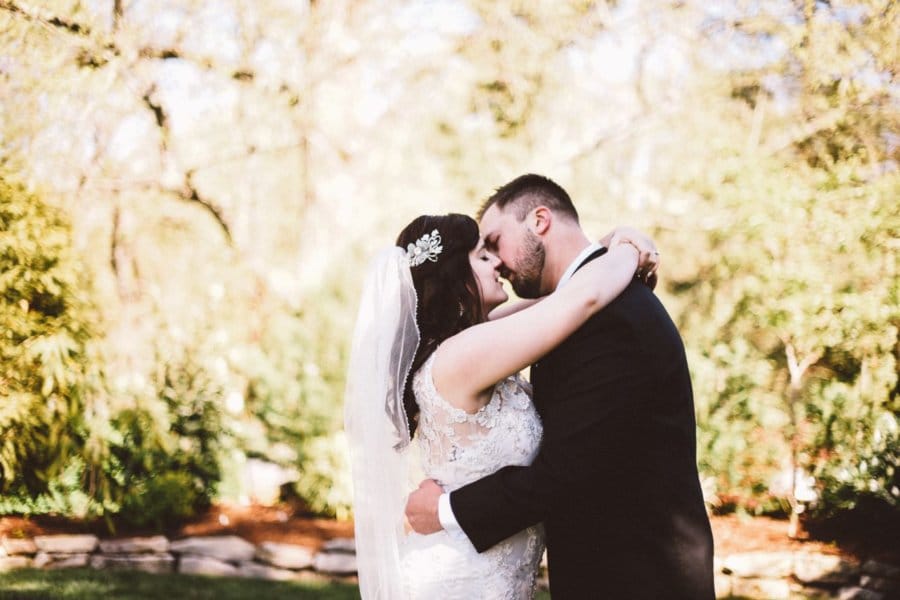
<point x="446" y="516"/>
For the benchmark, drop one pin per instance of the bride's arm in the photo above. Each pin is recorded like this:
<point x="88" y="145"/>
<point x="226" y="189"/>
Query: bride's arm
<point x="511" y="308"/>
<point x="648" y="263"/>
<point x="480" y="356"/>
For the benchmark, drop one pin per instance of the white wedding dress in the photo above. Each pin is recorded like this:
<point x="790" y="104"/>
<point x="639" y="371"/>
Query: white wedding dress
<point x="457" y="448"/>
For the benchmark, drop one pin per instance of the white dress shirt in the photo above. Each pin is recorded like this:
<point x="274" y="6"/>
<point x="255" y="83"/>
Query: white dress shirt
<point x="573" y="266"/>
<point x="445" y="511"/>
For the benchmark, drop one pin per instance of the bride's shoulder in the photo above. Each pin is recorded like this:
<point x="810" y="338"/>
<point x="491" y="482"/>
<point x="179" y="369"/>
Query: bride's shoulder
<point x="448" y="383"/>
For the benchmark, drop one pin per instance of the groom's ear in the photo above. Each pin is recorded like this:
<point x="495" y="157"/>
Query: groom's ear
<point x="541" y="218"/>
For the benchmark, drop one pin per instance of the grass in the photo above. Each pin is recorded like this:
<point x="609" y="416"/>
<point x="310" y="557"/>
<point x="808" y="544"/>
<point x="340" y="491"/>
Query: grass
<point x="84" y="584"/>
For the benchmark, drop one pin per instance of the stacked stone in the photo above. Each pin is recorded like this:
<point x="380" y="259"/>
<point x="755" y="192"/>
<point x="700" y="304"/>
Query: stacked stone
<point x="213" y="555"/>
<point x="778" y="575"/>
<point x="16" y="554"/>
<point x="877" y="581"/>
<point x="148" y="554"/>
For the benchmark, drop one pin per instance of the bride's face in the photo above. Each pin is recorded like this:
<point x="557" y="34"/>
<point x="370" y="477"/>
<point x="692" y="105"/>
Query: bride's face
<point x="486" y="268"/>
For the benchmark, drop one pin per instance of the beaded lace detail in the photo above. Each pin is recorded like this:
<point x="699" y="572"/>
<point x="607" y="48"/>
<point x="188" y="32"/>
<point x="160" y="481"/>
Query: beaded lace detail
<point x="457" y="448"/>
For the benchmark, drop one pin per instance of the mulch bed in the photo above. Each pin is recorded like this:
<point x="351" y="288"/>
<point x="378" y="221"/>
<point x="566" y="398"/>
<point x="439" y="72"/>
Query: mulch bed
<point x="255" y="523"/>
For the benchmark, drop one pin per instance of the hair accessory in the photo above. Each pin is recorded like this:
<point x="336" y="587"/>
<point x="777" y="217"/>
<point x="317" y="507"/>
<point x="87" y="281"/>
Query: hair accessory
<point x="426" y="247"/>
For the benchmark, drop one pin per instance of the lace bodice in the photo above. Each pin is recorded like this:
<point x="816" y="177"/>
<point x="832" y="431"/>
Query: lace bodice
<point x="457" y="448"/>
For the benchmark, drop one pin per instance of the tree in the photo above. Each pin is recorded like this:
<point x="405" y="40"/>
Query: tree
<point x="791" y="306"/>
<point x="226" y="167"/>
<point x="799" y="325"/>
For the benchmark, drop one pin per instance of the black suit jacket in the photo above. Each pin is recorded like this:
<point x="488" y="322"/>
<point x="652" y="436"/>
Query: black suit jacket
<point x="615" y="481"/>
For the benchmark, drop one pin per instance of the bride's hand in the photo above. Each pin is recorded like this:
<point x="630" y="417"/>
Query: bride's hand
<point x="648" y="255"/>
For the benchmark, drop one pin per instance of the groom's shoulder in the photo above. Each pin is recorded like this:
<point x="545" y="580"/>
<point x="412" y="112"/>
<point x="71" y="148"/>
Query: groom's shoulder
<point x="635" y="302"/>
<point x="635" y="314"/>
<point x="637" y="293"/>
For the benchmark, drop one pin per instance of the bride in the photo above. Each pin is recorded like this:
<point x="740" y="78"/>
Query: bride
<point x="433" y="391"/>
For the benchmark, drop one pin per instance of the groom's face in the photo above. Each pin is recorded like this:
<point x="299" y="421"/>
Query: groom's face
<point x="520" y="251"/>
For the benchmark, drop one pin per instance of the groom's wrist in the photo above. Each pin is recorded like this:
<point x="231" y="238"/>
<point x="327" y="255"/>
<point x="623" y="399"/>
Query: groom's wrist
<point x="446" y="516"/>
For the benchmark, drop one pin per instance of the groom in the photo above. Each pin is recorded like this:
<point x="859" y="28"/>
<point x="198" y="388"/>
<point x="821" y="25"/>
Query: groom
<point x="615" y="482"/>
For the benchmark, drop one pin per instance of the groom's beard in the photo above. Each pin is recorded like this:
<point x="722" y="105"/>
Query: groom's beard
<point x="526" y="280"/>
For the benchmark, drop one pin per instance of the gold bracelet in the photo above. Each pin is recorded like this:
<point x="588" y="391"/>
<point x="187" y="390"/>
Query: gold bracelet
<point x="627" y="241"/>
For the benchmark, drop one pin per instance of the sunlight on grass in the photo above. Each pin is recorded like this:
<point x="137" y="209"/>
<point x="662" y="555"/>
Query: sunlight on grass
<point x="84" y="584"/>
<point x="87" y="584"/>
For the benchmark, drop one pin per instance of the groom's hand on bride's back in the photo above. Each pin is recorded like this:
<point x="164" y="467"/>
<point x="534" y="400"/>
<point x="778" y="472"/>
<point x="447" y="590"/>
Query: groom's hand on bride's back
<point x="422" y="508"/>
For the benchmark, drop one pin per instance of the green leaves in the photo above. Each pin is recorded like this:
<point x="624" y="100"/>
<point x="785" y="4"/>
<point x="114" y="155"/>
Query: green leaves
<point x="794" y="324"/>
<point x="47" y="326"/>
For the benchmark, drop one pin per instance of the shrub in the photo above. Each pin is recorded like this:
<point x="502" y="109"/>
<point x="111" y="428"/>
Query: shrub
<point x="295" y="393"/>
<point x="169" y="498"/>
<point x="163" y="464"/>
<point x="47" y="322"/>
<point x="793" y="334"/>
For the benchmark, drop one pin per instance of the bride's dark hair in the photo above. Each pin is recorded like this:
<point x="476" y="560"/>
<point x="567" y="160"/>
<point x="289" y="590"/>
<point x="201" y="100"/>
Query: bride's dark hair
<point x="449" y="298"/>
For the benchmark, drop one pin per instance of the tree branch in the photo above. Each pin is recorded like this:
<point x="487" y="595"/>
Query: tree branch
<point x="33" y="14"/>
<point x="798" y="368"/>
<point x="802" y="132"/>
<point x="188" y="192"/>
<point x="191" y="194"/>
<point x="117" y="14"/>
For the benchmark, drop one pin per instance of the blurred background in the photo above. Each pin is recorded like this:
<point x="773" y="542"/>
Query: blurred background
<point x="190" y="190"/>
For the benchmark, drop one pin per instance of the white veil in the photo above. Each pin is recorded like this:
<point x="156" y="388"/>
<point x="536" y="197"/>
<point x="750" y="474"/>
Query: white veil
<point x="384" y="345"/>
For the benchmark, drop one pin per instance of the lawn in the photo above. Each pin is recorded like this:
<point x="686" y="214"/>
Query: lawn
<point x="84" y="584"/>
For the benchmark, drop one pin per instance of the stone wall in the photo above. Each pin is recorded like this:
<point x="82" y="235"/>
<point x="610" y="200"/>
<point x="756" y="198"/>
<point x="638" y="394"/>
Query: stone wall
<point x="216" y="555"/>
<point x="759" y="575"/>
<point x="785" y="575"/>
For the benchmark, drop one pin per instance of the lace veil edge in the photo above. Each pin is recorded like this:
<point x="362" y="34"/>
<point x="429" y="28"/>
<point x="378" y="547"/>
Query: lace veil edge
<point x="384" y="344"/>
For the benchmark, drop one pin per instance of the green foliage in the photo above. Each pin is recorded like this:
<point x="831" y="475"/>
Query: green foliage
<point x="167" y="499"/>
<point x="787" y="287"/>
<point x="65" y="446"/>
<point x="47" y="322"/>
<point x="164" y="465"/>
<point x="295" y="387"/>
<point x="840" y="59"/>
<point x="757" y="142"/>
<point x="153" y="461"/>
<point x="794" y="329"/>
<point x="324" y="481"/>
<point x="64" y="496"/>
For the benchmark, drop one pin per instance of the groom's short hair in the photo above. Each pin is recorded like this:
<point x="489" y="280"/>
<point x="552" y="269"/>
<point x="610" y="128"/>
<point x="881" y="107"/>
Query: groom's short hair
<point x="526" y="192"/>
